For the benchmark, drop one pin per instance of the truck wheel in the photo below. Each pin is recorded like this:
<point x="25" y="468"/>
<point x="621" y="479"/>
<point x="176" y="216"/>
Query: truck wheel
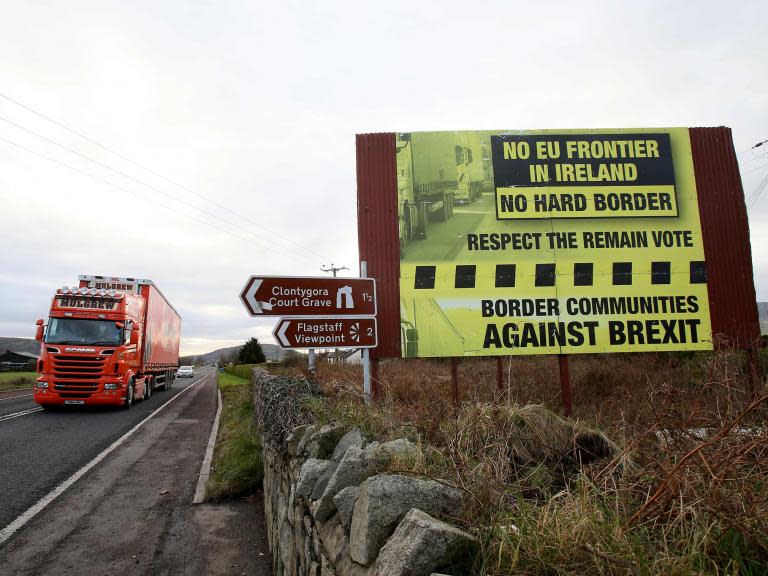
<point x="148" y="388"/>
<point x="128" y="402"/>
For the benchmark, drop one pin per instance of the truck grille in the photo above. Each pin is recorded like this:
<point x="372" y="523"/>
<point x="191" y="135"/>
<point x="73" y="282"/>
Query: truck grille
<point x="75" y="387"/>
<point x="77" y="368"/>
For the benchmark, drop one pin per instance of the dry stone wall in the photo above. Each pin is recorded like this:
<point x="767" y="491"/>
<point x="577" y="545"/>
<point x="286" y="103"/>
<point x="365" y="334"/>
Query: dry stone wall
<point x="331" y="509"/>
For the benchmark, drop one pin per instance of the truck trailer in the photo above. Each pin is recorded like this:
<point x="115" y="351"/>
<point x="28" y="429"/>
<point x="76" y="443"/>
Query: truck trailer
<point x="435" y="171"/>
<point x="108" y="341"/>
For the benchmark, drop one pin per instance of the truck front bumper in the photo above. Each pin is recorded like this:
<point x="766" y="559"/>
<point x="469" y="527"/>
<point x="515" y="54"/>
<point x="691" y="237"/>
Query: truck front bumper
<point x="47" y="397"/>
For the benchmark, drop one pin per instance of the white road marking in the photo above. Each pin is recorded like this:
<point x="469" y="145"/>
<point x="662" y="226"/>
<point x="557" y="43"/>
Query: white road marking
<point x="25" y="517"/>
<point x="17" y="414"/>
<point x="12" y="397"/>
<point x="205" y="469"/>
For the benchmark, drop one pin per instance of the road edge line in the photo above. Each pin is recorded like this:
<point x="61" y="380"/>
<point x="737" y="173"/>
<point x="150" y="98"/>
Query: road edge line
<point x="13" y="415"/>
<point x="205" y="469"/>
<point x="40" y="505"/>
<point x="13" y="397"/>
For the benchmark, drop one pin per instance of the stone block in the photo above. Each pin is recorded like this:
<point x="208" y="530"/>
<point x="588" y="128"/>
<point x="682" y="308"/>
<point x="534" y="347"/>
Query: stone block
<point x="293" y="439"/>
<point x="356" y="465"/>
<point x="321" y="443"/>
<point x="322" y="482"/>
<point x="352" y="438"/>
<point x="384" y="500"/>
<point x="421" y="545"/>
<point x="309" y="474"/>
<point x="345" y="503"/>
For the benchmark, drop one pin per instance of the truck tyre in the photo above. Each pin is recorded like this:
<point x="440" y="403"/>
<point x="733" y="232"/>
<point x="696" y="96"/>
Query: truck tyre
<point x="128" y="402"/>
<point x="444" y="212"/>
<point x="148" y="388"/>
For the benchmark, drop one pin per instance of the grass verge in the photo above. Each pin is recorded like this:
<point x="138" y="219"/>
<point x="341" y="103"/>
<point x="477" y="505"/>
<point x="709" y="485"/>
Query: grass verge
<point x="17" y="380"/>
<point x="237" y="468"/>
<point x="692" y="500"/>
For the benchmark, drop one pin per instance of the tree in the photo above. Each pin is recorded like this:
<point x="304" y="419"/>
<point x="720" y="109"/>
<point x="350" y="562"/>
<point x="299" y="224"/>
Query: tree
<point x="251" y="353"/>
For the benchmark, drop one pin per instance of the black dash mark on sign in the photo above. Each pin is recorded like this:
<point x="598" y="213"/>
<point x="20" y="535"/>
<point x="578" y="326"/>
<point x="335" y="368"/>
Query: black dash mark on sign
<point x="660" y="272"/>
<point x="583" y="274"/>
<point x="505" y="275"/>
<point x="425" y="277"/>
<point x="622" y="273"/>
<point x="545" y="274"/>
<point x="698" y="272"/>
<point x="465" y="276"/>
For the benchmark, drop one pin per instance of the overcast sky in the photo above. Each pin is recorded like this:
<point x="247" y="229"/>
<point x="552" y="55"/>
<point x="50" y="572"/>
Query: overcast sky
<point x="245" y="113"/>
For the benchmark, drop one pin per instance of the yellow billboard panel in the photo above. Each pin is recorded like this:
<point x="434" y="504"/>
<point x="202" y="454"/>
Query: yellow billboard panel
<point x="549" y="242"/>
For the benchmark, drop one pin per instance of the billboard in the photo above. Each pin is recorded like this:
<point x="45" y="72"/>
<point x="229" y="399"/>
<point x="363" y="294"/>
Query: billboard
<point x="549" y="242"/>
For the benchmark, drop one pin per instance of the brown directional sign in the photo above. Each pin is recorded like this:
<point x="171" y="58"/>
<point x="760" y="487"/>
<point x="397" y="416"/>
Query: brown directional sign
<point x="309" y="296"/>
<point x="326" y="333"/>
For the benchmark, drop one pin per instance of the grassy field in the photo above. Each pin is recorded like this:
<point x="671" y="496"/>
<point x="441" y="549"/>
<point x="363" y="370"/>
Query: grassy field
<point x="17" y="380"/>
<point x="694" y="501"/>
<point x="237" y="468"/>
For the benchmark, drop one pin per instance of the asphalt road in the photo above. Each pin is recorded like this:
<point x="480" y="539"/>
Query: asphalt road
<point x="41" y="449"/>
<point x="132" y="513"/>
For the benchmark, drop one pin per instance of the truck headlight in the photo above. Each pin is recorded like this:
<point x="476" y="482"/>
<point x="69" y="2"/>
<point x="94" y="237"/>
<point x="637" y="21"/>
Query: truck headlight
<point x="42" y="384"/>
<point x="111" y="386"/>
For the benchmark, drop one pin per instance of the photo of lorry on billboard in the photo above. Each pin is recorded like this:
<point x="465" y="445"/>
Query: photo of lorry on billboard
<point x="550" y="242"/>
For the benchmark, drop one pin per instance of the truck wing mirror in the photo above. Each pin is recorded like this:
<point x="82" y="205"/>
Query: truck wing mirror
<point x="39" y="331"/>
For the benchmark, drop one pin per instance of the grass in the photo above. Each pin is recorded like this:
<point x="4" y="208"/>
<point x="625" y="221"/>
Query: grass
<point x="690" y="505"/>
<point x="17" y="380"/>
<point x="237" y="468"/>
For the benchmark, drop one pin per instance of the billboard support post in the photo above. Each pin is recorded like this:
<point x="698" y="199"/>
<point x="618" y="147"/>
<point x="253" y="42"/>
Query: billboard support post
<point x="499" y="374"/>
<point x="311" y="362"/>
<point x="455" y="381"/>
<point x="565" y="383"/>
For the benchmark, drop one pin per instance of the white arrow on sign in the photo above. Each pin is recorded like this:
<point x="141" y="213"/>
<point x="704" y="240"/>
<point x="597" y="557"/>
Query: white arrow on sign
<point x="280" y="335"/>
<point x="250" y="297"/>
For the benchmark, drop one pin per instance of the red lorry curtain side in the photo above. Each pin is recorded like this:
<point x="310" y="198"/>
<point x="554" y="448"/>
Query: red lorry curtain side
<point x="162" y="331"/>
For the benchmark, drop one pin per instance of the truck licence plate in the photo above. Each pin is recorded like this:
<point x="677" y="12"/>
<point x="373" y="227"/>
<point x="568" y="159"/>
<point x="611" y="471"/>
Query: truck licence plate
<point x="74" y="402"/>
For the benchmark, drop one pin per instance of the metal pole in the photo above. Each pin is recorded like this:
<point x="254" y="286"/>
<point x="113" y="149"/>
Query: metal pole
<point x="565" y="383"/>
<point x="312" y="362"/>
<point x="366" y="351"/>
<point x="455" y="382"/>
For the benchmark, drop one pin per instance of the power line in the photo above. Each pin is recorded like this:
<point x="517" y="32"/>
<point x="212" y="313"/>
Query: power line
<point x="757" y="192"/>
<point x="129" y="177"/>
<point x="132" y="192"/>
<point x="155" y="173"/>
<point x="740" y="153"/>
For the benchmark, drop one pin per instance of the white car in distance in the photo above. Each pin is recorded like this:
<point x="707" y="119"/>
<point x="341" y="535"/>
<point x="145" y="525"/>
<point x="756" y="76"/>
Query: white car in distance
<point x="185" y="372"/>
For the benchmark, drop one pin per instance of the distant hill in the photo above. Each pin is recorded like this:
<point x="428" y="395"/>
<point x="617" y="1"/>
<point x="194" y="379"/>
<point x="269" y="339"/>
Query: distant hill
<point x="19" y="345"/>
<point x="762" y="309"/>
<point x="271" y="351"/>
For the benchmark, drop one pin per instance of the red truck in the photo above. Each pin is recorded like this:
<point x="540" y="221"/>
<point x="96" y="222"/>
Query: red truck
<point x="108" y="341"/>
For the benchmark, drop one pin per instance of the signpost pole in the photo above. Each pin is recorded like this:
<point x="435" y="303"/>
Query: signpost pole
<point x="565" y="383"/>
<point x="311" y="361"/>
<point x="366" y="351"/>
<point x="455" y="382"/>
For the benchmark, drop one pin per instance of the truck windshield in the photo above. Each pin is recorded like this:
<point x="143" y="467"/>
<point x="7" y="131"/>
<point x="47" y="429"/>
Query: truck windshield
<point x="78" y="331"/>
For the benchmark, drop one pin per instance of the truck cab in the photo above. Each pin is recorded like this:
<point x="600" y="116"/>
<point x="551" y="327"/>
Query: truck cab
<point x="95" y="346"/>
